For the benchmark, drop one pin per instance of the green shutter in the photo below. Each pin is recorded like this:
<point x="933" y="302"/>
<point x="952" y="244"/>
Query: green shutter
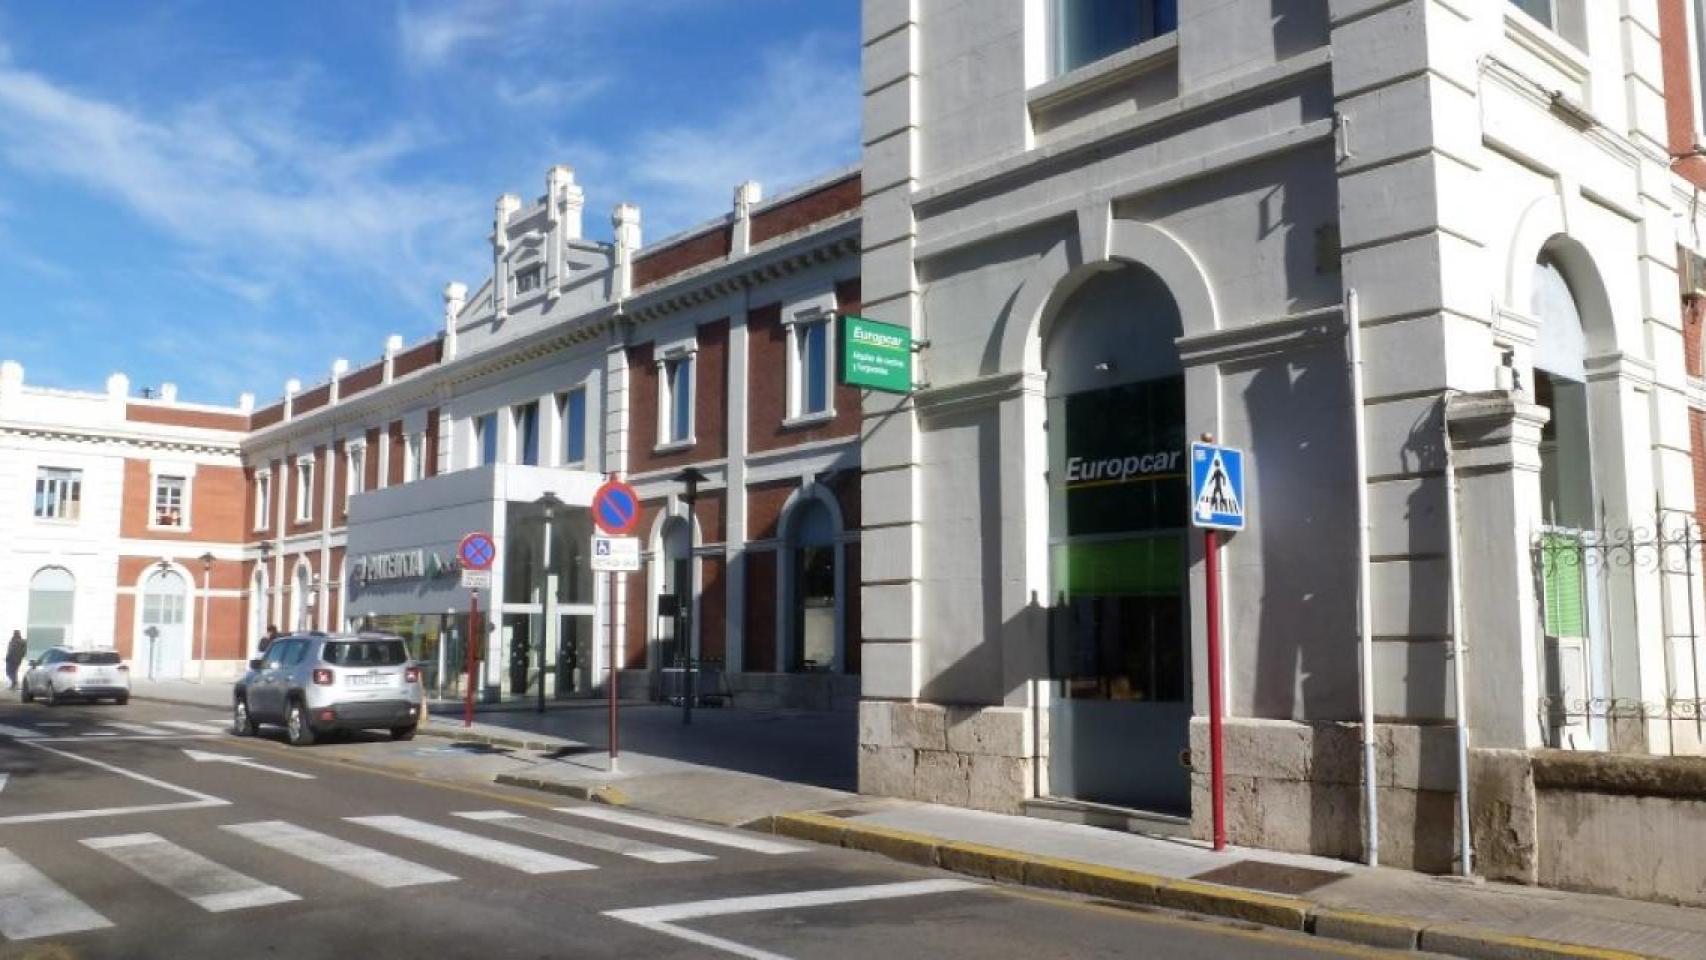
<point x="1561" y="578"/>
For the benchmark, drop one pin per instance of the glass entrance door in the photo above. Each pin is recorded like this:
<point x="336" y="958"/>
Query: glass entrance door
<point x="1119" y="635"/>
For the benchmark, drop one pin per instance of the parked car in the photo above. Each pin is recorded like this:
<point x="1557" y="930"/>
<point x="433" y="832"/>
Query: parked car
<point x="64" y="673"/>
<point x="315" y="684"/>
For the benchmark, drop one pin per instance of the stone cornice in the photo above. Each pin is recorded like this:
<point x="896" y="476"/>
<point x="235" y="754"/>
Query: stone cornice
<point x="146" y="441"/>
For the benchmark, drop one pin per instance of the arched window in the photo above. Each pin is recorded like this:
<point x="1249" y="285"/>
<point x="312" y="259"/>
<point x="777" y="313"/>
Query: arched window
<point x="164" y="636"/>
<point x="811" y="534"/>
<point x="1560" y="384"/>
<point x="52" y="591"/>
<point x="258" y="607"/>
<point x="302" y="601"/>
<point x="675" y="579"/>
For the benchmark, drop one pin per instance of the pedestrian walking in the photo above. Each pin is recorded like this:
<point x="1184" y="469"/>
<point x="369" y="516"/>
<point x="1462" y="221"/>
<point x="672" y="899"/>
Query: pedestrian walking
<point x="266" y="641"/>
<point x="15" y="650"/>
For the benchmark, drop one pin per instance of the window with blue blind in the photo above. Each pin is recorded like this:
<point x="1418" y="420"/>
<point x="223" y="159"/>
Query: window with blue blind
<point x="574" y="426"/>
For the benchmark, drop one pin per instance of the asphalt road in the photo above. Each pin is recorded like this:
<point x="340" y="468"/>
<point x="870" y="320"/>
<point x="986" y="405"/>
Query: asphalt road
<point x="134" y="832"/>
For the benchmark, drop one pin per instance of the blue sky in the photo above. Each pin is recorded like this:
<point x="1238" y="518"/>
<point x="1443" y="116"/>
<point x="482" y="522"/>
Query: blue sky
<point x="225" y="195"/>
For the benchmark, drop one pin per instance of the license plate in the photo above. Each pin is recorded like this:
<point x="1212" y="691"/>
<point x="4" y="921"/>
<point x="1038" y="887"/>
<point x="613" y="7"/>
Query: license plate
<point x="98" y="676"/>
<point x="369" y="680"/>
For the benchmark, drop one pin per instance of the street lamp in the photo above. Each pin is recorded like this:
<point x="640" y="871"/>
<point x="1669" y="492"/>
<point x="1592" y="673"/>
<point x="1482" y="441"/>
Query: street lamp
<point x="549" y="503"/>
<point x="690" y="479"/>
<point x="206" y="585"/>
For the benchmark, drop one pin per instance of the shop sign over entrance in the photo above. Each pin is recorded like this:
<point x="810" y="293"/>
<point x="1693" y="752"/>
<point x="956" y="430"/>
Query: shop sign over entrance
<point x="876" y="356"/>
<point x="1217" y="487"/>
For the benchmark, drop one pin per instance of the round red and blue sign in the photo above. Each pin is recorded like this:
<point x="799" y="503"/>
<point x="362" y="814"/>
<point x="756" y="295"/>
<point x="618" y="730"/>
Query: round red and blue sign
<point x="615" y="508"/>
<point x="477" y="551"/>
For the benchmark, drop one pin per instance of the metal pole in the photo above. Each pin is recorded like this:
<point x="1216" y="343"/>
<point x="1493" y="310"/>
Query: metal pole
<point x="1216" y="745"/>
<point x="549" y="608"/>
<point x="1459" y="648"/>
<point x="611" y="606"/>
<point x="201" y="659"/>
<point x="472" y="636"/>
<point x="1365" y="600"/>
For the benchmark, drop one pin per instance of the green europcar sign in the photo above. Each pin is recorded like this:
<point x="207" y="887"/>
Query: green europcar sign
<point x="876" y="356"/>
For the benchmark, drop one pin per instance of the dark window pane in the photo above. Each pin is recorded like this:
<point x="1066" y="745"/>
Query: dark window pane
<point x="1538" y="9"/>
<point x="817" y="368"/>
<point x="574" y="423"/>
<point x="367" y="653"/>
<point x="95" y="657"/>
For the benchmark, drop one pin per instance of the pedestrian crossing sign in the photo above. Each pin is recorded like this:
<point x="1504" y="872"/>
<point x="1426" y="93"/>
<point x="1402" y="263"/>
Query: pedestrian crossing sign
<point x="1217" y="487"/>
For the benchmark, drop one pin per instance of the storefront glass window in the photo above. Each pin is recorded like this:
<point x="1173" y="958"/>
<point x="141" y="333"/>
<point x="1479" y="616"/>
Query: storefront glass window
<point x="52" y="591"/>
<point x="814" y="587"/>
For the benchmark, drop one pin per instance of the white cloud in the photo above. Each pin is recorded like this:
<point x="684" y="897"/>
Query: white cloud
<point x="548" y="94"/>
<point x="431" y="36"/>
<point x="799" y="119"/>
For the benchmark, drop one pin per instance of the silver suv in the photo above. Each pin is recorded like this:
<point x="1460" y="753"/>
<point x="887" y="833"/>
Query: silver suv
<point x="319" y="683"/>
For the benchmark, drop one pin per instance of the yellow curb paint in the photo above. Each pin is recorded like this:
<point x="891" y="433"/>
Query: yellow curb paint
<point x="1365" y="928"/>
<point x="811" y="827"/>
<point x="1093" y="880"/>
<point x="1287" y="913"/>
<point x="978" y="860"/>
<point x="913" y="848"/>
<point x="1479" y="944"/>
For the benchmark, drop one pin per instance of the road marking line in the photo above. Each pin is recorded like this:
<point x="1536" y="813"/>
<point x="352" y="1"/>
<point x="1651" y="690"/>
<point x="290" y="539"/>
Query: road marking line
<point x="472" y="845"/>
<point x="724" y="838"/>
<point x="17" y="733"/>
<point x="197" y="801"/>
<point x="363" y="863"/>
<point x="83" y="737"/>
<point x="127" y="727"/>
<point x="638" y="849"/>
<point x="53" y="723"/>
<point x="203" y="756"/>
<point x="107" y="733"/>
<point x="662" y="919"/>
<point x="31" y="905"/>
<point x="213" y="887"/>
<point x="192" y="725"/>
<point x="3" y="778"/>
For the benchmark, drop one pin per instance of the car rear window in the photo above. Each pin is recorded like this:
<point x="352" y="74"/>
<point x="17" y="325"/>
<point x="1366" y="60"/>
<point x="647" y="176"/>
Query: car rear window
<point x="366" y="653"/>
<point x="95" y="657"/>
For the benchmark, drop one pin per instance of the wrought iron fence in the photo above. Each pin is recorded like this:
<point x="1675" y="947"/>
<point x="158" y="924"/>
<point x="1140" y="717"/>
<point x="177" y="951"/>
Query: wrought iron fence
<point x="1593" y="589"/>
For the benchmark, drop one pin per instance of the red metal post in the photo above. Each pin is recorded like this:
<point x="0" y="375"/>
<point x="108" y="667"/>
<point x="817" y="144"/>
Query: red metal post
<point x="473" y="641"/>
<point x="1217" y="766"/>
<point x="611" y="606"/>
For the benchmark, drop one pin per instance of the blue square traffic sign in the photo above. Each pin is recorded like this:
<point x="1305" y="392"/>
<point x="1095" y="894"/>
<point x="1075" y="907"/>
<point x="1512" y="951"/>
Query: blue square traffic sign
<point x="1217" y="487"/>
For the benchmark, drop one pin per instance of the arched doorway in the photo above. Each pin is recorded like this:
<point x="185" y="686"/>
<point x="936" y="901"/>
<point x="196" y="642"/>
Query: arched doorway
<point x="53" y="592"/>
<point x="1573" y="617"/>
<point x="1119" y="639"/>
<point x="813" y="589"/>
<point x="302" y="600"/>
<point x="673" y="586"/>
<point x="165" y="637"/>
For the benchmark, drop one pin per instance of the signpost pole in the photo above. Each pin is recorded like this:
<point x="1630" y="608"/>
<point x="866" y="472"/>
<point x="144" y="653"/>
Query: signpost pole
<point x="472" y="639"/>
<point x="1217" y="768"/>
<point x="611" y="605"/>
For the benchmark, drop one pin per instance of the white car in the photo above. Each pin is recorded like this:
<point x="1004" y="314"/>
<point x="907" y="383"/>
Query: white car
<point x="65" y="673"/>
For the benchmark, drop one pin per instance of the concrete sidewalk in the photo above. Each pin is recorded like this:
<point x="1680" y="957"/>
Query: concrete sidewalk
<point x="679" y="774"/>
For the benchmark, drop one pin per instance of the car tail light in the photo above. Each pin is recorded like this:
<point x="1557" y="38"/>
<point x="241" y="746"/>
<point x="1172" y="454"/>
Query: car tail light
<point x="66" y="668"/>
<point x="124" y="668"/>
<point x="323" y="677"/>
<point x="411" y="674"/>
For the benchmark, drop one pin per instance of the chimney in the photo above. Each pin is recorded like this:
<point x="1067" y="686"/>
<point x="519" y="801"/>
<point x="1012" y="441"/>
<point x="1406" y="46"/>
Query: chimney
<point x="169" y="392"/>
<point x="246" y="402"/>
<point x="340" y="366"/>
<point x="292" y="387"/>
<point x="625" y="224"/>
<point x="393" y="346"/>
<point x="455" y="297"/>
<point x="747" y="196"/>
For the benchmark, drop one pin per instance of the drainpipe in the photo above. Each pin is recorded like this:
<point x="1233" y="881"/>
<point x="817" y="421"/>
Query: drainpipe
<point x="1365" y="617"/>
<point x="1454" y="551"/>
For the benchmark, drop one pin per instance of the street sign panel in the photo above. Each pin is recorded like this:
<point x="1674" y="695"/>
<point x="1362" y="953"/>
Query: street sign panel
<point x="477" y="551"/>
<point x="615" y="554"/>
<point x="1217" y="487"/>
<point x="615" y="508"/>
<point x="876" y="356"/>
<point x="477" y="579"/>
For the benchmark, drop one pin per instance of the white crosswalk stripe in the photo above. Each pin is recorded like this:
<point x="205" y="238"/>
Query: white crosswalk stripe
<point x="724" y="838"/>
<point x="31" y="905"/>
<point x="22" y="733"/>
<point x="363" y="863"/>
<point x="473" y="845"/>
<point x="638" y="849"/>
<point x="209" y="885"/>
<point x="140" y="728"/>
<point x="192" y="725"/>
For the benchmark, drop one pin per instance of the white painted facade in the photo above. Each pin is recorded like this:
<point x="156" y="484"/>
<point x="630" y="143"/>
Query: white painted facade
<point x="1271" y="165"/>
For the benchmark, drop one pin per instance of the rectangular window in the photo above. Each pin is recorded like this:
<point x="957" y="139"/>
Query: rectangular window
<point x="486" y="438"/>
<point x="677" y="408"/>
<point x="527" y="434"/>
<point x="263" y="500"/>
<point x="528" y="280"/>
<point x="357" y="473"/>
<point x="1088" y="30"/>
<point x="169" y="496"/>
<point x="573" y="409"/>
<point x="59" y="494"/>
<point x="414" y="458"/>
<point x="304" y="491"/>
<point x="811" y="368"/>
<point x="1538" y="9"/>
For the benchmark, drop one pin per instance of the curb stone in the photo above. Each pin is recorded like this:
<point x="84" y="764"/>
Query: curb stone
<point x="1288" y="913"/>
<point x="603" y="793"/>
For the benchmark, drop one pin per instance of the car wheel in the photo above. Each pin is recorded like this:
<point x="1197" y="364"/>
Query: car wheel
<point x="242" y="724"/>
<point x="296" y="726"/>
<point x="403" y="733"/>
<point x="122" y="699"/>
<point x="24" y="693"/>
<point x="52" y="698"/>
